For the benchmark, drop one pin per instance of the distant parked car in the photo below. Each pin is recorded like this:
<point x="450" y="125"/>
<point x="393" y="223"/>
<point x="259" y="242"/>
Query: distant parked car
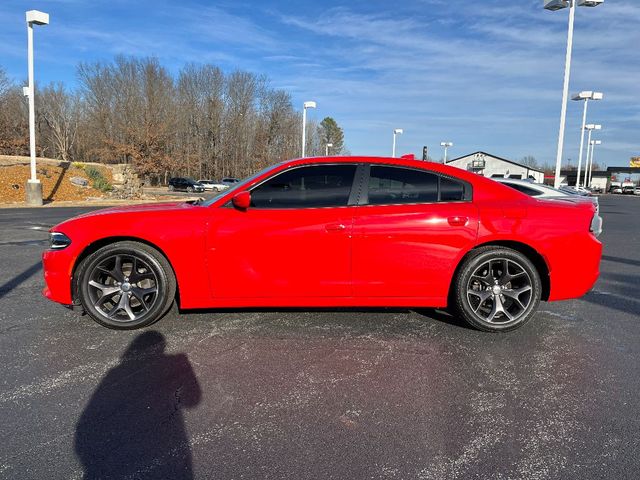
<point x="636" y="191"/>
<point x="628" y="190"/>
<point x="213" y="185"/>
<point x="185" y="184"/>
<point x="207" y="184"/>
<point x="615" y="190"/>
<point x="229" y="181"/>
<point x="539" y="190"/>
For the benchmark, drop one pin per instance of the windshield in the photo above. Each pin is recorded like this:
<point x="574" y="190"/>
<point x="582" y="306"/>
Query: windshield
<point x="238" y="186"/>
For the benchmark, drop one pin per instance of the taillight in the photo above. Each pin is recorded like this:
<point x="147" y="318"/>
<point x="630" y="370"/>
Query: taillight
<point x="596" y="225"/>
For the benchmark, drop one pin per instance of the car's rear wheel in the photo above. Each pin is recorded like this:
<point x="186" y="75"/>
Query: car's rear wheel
<point x="126" y="285"/>
<point x="190" y="189"/>
<point x="497" y="289"/>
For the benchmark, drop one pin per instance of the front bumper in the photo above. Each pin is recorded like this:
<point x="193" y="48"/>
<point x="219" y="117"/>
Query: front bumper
<point x="57" y="267"/>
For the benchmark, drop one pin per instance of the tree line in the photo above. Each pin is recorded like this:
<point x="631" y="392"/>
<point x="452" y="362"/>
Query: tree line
<point x="201" y="123"/>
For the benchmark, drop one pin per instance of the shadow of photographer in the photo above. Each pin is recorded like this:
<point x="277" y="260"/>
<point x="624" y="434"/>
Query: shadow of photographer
<point x="133" y="425"/>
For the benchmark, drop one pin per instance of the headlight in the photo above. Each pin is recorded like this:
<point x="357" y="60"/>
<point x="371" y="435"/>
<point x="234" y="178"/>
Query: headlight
<point x="58" y="241"/>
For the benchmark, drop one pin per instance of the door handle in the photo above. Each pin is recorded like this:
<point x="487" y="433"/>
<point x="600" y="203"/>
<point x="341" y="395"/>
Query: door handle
<point x="335" y="227"/>
<point x="458" y="221"/>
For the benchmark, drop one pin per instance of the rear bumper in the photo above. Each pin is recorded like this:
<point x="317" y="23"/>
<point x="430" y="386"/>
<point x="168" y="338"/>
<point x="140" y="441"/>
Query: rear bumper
<point x="57" y="267"/>
<point x="575" y="267"/>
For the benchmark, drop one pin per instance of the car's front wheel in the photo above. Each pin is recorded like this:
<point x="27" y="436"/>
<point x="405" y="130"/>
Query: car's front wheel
<point x="497" y="289"/>
<point x="125" y="285"/>
<point x="190" y="189"/>
<point x="171" y="188"/>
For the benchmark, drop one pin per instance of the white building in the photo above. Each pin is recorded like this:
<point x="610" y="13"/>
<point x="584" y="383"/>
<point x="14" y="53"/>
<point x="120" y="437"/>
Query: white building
<point x="488" y="165"/>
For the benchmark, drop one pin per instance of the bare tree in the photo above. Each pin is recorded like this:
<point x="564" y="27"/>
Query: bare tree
<point x="60" y="111"/>
<point x="14" y="135"/>
<point x="203" y="123"/>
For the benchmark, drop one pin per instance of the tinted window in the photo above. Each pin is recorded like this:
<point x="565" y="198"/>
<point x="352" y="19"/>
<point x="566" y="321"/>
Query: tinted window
<point x="306" y="187"/>
<point x="524" y="189"/>
<point x="451" y="190"/>
<point x="391" y="185"/>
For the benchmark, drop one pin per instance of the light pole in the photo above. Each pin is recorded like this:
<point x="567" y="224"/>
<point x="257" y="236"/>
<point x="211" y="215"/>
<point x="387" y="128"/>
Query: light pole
<point x="326" y="149"/>
<point x="33" y="188"/>
<point x="558" y="5"/>
<point x="446" y="145"/>
<point x="396" y="132"/>
<point x="590" y="127"/>
<point x="584" y="96"/>
<point x="593" y="148"/>
<point x="304" y="123"/>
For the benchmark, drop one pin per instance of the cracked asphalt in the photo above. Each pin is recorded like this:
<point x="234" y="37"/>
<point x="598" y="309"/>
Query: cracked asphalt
<point x="320" y="394"/>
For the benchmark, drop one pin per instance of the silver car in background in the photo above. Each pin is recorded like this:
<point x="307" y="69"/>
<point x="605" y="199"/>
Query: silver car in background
<point x="539" y="190"/>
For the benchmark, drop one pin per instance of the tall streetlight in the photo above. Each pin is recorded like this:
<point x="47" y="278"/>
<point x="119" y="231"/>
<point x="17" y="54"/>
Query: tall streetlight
<point x="304" y="123"/>
<point x="590" y="127"/>
<point x="326" y="149"/>
<point x="558" y="5"/>
<point x="593" y="147"/>
<point x="33" y="188"/>
<point x="446" y="145"/>
<point x="396" y="132"/>
<point x="584" y="96"/>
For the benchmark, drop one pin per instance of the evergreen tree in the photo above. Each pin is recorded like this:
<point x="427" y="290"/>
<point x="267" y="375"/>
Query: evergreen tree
<point x="330" y="132"/>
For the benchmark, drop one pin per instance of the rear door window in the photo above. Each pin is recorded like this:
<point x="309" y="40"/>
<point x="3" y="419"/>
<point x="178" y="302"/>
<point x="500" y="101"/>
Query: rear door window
<point x="389" y="185"/>
<point x="392" y="185"/>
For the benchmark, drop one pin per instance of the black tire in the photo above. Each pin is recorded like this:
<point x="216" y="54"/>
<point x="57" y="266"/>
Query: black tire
<point x="171" y="188"/>
<point x="138" y="285"/>
<point x="488" y="299"/>
<point x="190" y="189"/>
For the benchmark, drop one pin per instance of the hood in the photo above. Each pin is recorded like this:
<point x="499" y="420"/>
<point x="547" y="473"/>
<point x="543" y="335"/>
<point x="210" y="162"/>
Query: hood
<point x="145" y="207"/>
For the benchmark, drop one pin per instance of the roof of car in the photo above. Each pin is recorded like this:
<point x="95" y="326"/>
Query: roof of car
<point x="474" y="178"/>
<point x="404" y="162"/>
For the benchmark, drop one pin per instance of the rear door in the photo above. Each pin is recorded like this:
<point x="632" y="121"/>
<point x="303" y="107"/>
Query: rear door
<point x="409" y="231"/>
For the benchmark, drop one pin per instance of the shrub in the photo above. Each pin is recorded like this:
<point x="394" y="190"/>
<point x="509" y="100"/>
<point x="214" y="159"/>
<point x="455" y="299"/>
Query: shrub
<point x="98" y="179"/>
<point x="93" y="173"/>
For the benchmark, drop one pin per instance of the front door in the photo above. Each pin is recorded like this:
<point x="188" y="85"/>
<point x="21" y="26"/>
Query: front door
<point x="293" y="241"/>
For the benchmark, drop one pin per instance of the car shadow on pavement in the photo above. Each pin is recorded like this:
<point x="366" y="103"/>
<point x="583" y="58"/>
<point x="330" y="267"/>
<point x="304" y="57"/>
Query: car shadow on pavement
<point x="16" y="281"/>
<point x="428" y="313"/>
<point x="133" y="426"/>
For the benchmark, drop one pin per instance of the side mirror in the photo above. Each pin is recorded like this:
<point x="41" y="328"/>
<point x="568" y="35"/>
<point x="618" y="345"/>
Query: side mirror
<point x="242" y="200"/>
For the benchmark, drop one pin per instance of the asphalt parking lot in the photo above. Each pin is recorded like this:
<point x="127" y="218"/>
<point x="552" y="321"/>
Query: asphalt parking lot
<point x="320" y="394"/>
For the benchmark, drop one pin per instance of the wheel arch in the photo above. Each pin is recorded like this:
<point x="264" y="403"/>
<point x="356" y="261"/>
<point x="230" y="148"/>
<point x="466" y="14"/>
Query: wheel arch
<point x="98" y="244"/>
<point x="527" y="250"/>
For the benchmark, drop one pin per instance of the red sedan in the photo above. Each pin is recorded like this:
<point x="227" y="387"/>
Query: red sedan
<point x="327" y="232"/>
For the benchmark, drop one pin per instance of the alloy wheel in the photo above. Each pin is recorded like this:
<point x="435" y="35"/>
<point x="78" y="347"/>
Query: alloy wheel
<point x="123" y="287"/>
<point x="499" y="291"/>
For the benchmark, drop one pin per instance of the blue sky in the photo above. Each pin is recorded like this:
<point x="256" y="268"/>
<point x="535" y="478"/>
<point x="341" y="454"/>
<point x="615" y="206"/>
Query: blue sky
<point x="485" y="74"/>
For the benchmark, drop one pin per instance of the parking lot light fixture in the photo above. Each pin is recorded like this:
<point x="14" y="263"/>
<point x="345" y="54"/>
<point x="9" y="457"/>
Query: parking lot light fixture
<point x="593" y="147"/>
<point x="305" y="105"/>
<point x="326" y="150"/>
<point x="33" y="188"/>
<point x="584" y="96"/>
<point x="396" y="132"/>
<point x="559" y="5"/>
<point x="446" y="145"/>
<point x="590" y="128"/>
